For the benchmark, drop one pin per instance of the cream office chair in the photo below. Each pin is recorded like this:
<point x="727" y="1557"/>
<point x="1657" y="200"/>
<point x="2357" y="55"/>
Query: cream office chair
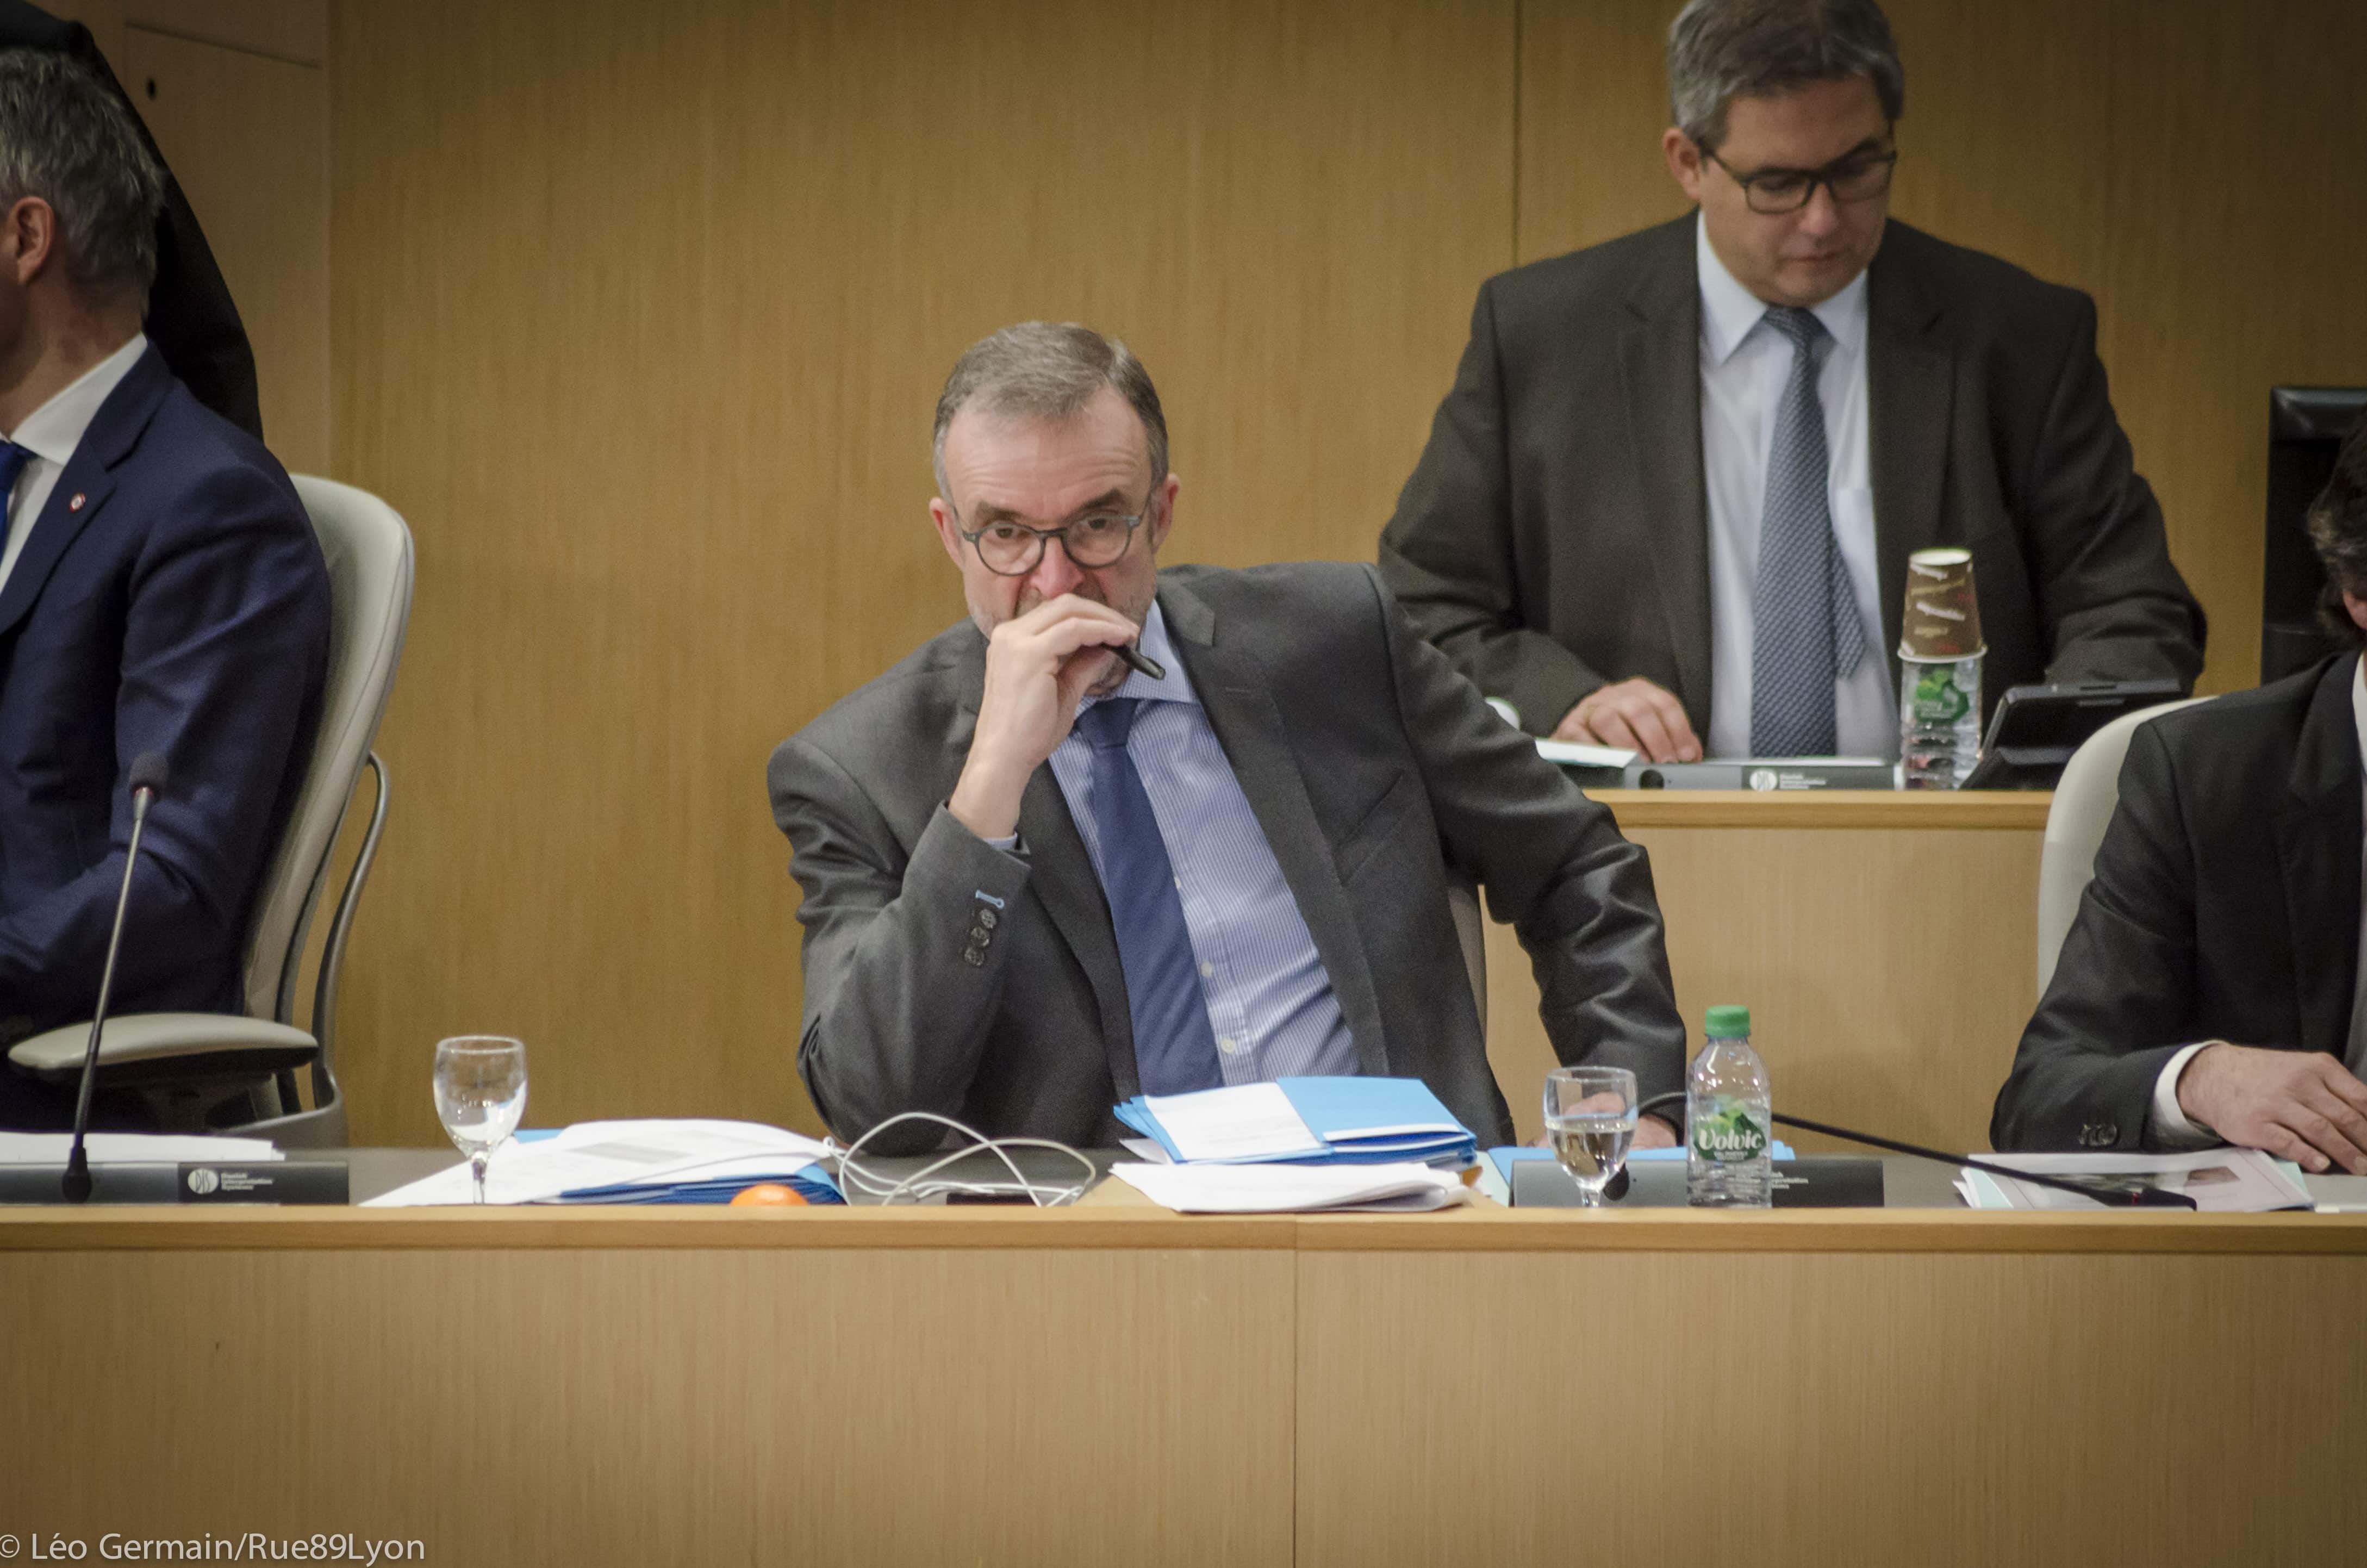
<point x="2084" y="798"/>
<point x="207" y="1072"/>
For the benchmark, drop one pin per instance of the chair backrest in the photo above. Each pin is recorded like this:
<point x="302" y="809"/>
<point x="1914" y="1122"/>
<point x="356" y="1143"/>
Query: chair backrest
<point x="2084" y="798"/>
<point x="368" y="552"/>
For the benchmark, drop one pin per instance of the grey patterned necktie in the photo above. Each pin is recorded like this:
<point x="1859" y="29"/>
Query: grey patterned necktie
<point x="1805" y="631"/>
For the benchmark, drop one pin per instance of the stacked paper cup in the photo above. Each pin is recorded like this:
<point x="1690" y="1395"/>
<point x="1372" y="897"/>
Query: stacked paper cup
<point x="1940" y="650"/>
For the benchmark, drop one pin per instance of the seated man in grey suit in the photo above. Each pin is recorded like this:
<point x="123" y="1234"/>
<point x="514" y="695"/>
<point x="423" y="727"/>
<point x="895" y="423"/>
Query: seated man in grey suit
<point x="1038" y="882"/>
<point x="1669" y="502"/>
<point x="2211" y="988"/>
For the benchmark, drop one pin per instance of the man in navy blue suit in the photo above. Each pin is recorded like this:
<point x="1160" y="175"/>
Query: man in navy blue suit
<point x="161" y="590"/>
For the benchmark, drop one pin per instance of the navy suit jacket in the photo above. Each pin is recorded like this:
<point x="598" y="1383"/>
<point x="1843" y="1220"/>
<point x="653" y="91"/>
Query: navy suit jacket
<point x="171" y="597"/>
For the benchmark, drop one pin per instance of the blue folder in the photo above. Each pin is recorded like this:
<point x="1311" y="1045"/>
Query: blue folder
<point x="1357" y="1121"/>
<point x="810" y="1182"/>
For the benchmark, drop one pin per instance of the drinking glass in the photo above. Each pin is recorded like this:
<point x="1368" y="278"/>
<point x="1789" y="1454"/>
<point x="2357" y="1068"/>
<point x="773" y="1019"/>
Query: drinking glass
<point x="1591" y="1117"/>
<point x="480" y="1096"/>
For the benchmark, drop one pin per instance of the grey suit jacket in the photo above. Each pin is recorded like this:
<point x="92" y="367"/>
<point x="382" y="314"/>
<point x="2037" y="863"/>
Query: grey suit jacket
<point x="1555" y="536"/>
<point x="942" y="974"/>
<point x="2225" y="906"/>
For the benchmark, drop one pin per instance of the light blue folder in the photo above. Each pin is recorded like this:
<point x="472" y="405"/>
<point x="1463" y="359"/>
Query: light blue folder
<point x="1358" y="1120"/>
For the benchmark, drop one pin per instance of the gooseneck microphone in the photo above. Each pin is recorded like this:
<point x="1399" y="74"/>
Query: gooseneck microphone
<point x="2145" y="1197"/>
<point x="147" y="777"/>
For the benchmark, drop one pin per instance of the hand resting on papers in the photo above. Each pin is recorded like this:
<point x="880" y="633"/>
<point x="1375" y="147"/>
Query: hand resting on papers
<point x="2302" y="1106"/>
<point x="1633" y="714"/>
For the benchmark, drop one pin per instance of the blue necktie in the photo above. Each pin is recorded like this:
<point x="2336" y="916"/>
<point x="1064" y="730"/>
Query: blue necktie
<point x="13" y="459"/>
<point x="1174" y="1048"/>
<point x="1804" y="631"/>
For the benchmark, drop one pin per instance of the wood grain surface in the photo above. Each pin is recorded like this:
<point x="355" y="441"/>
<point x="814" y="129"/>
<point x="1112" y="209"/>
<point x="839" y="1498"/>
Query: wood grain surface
<point x="1888" y="959"/>
<point x="640" y="315"/>
<point x="1796" y="1409"/>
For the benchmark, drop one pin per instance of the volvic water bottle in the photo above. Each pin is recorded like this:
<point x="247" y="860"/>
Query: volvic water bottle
<point x="1727" y="1120"/>
<point x="1939" y="722"/>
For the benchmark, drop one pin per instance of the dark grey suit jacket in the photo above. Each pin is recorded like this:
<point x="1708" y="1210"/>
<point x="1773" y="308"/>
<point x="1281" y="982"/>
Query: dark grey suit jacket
<point x="2225" y="906"/>
<point x="1370" y="765"/>
<point x="1555" y="536"/>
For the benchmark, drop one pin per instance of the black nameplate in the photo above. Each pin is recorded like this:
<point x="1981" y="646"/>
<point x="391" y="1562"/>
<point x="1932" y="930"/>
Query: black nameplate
<point x="1817" y="1181"/>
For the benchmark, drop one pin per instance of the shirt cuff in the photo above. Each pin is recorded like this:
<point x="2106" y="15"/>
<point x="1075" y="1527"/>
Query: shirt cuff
<point x="2172" y="1128"/>
<point x="1008" y="843"/>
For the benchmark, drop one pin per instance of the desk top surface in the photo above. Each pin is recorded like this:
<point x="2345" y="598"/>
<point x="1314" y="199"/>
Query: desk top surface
<point x="1115" y="1217"/>
<point x="2020" y="811"/>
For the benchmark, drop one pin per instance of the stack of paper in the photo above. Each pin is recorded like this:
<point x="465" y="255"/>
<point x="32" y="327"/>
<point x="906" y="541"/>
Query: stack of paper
<point x="1295" y="1189"/>
<point x="634" y="1162"/>
<point x="1315" y="1121"/>
<point x="2225" y="1181"/>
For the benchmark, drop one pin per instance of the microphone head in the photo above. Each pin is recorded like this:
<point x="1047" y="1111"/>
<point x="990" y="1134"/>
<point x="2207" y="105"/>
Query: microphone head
<point x="148" y="771"/>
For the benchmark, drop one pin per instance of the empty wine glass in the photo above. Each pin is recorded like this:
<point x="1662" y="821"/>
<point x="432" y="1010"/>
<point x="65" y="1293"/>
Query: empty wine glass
<point x="480" y="1096"/>
<point x="1591" y="1117"/>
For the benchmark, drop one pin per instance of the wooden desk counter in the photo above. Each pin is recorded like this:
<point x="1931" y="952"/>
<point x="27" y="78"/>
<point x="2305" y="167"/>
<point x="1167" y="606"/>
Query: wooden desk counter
<point x="1884" y="941"/>
<point x="1116" y="1384"/>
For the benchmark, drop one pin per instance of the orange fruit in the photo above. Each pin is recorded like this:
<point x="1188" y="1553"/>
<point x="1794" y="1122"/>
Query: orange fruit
<point x="768" y="1195"/>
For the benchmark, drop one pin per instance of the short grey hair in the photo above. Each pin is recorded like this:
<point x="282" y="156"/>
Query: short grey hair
<point x="69" y="138"/>
<point x="1047" y="372"/>
<point x="2337" y="526"/>
<point x="1722" y="49"/>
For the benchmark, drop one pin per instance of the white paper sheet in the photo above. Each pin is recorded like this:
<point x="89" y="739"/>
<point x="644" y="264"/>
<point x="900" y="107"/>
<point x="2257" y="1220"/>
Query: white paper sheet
<point x="1249" y="1122"/>
<point x="1569" y="754"/>
<point x="596" y="1154"/>
<point x="128" y="1148"/>
<point x="1294" y="1189"/>
<point x="2221" y="1181"/>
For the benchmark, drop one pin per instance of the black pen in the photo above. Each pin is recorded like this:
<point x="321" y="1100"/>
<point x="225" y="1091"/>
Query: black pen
<point x="1141" y="663"/>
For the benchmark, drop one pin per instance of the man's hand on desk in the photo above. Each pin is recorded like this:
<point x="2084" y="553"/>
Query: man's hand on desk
<point x="1633" y="714"/>
<point x="2302" y="1106"/>
<point x="1039" y="667"/>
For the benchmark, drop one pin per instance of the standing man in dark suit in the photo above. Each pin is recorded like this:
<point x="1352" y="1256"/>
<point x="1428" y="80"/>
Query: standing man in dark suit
<point x="161" y="590"/>
<point x="1038" y="883"/>
<point x="1669" y="502"/>
<point x="2210" y="989"/>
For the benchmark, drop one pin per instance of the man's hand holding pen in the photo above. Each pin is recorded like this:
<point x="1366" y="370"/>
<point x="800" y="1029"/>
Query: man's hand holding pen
<point x="1039" y="666"/>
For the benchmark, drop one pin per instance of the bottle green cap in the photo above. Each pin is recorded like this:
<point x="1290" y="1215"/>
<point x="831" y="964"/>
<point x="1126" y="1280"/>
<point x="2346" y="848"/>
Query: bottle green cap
<point x="1728" y="1023"/>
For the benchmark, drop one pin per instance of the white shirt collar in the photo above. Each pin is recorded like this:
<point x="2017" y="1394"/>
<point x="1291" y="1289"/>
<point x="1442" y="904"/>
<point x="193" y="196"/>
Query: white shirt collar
<point x="2359" y="719"/>
<point x="53" y="430"/>
<point x="1729" y="311"/>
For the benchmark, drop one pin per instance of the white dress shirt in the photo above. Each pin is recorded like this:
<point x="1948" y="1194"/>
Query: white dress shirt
<point x="1744" y="367"/>
<point x="50" y="433"/>
<point x="2172" y="1128"/>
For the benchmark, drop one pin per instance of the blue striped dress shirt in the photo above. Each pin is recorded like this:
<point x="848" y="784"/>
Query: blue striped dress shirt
<point x="1270" y="1000"/>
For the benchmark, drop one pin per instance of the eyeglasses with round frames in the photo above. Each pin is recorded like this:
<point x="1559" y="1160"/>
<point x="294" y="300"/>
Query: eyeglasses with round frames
<point x="1013" y="549"/>
<point x="1857" y="176"/>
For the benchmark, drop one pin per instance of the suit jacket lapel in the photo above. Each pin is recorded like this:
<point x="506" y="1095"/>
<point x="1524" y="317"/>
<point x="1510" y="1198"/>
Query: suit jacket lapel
<point x="2317" y="829"/>
<point x="1233" y="689"/>
<point x="1909" y="383"/>
<point x="1062" y="881"/>
<point x="1660" y="367"/>
<point x="111" y="435"/>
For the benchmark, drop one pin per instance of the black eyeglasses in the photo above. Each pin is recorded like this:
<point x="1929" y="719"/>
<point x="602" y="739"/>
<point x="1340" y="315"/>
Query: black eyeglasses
<point x="1855" y="177"/>
<point x="1013" y="549"/>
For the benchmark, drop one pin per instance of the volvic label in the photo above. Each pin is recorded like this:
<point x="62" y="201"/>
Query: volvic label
<point x="1938" y="699"/>
<point x="1729" y="1137"/>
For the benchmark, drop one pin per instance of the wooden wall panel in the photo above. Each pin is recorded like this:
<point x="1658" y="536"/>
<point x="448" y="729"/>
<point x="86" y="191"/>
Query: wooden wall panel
<point x="248" y="137"/>
<point x="638" y="317"/>
<point x="2194" y="165"/>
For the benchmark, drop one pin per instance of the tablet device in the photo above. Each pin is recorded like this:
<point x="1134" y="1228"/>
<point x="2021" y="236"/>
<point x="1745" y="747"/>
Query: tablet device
<point x="2036" y="728"/>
